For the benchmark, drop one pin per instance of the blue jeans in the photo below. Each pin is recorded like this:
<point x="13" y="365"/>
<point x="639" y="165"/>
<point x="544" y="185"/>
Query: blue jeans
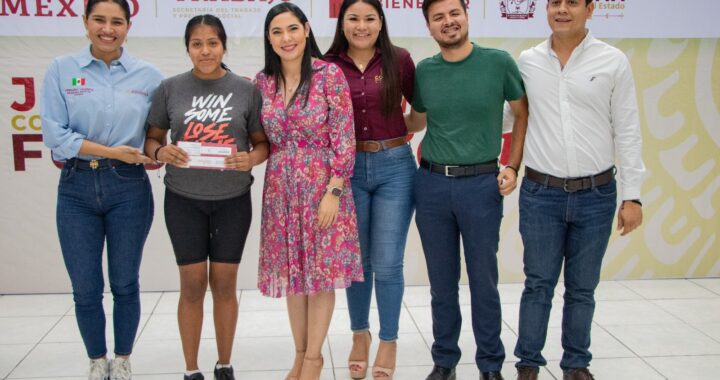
<point x="113" y="205"/>
<point x="448" y="208"/>
<point x="558" y="226"/>
<point x="382" y="186"/>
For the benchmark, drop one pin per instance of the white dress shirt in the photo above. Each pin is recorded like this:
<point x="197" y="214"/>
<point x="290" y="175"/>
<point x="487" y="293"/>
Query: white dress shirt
<point x="583" y="115"/>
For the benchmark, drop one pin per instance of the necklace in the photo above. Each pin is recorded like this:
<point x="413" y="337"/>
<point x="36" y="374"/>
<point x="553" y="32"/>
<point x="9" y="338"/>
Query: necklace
<point x="290" y="88"/>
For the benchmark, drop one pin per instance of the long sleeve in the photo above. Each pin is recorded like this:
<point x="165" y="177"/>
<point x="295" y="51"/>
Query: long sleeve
<point x="407" y="79"/>
<point x="57" y="134"/>
<point x="626" y="132"/>
<point x="340" y="122"/>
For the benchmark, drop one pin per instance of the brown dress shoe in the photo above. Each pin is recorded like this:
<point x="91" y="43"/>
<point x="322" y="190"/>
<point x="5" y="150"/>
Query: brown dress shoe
<point x="527" y="373"/>
<point x="578" y="374"/>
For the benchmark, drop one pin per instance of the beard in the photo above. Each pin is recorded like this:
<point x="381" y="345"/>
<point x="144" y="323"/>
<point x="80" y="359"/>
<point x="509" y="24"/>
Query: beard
<point x="454" y="44"/>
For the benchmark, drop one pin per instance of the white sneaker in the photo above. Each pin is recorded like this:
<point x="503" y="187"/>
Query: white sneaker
<point x="120" y="369"/>
<point x="98" y="369"/>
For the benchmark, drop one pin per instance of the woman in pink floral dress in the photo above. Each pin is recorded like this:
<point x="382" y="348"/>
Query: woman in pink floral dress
<point x="309" y="245"/>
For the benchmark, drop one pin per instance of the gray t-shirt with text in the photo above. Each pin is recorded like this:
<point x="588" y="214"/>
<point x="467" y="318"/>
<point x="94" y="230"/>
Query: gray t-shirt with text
<point x="220" y="111"/>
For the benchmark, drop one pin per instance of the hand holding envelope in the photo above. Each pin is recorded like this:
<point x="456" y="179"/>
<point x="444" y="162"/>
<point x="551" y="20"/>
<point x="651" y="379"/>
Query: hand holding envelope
<point x="173" y="155"/>
<point x="239" y="161"/>
<point x="202" y="155"/>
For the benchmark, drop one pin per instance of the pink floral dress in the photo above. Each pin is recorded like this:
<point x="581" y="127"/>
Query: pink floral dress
<point x="308" y="146"/>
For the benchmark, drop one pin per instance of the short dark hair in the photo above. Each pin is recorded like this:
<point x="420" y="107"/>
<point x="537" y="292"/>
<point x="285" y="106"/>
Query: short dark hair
<point x="428" y="3"/>
<point x="273" y="65"/>
<point x="391" y="92"/>
<point x="122" y="3"/>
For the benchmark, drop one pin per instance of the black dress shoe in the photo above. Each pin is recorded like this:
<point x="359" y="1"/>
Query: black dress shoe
<point x="491" y="376"/>
<point x="441" y="373"/>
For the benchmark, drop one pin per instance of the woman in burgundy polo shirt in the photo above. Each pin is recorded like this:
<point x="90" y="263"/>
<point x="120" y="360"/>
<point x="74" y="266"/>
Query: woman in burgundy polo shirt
<point x="379" y="75"/>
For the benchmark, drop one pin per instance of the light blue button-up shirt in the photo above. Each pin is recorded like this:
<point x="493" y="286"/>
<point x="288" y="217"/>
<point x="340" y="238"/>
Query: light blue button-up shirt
<point x="84" y="99"/>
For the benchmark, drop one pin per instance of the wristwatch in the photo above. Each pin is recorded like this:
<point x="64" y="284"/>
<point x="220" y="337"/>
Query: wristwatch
<point x="634" y="201"/>
<point x="336" y="191"/>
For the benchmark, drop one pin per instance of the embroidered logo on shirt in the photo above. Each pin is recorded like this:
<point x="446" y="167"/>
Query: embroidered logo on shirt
<point x="593" y="78"/>
<point x="517" y="9"/>
<point x="78" y="82"/>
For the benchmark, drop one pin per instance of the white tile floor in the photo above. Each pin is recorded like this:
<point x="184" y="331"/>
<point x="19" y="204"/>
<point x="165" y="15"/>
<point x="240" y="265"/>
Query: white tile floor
<point x="652" y="329"/>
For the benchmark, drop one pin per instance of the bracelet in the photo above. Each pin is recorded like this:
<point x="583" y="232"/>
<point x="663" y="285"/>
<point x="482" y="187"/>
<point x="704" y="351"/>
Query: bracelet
<point x="157" y="150"/>
<point x="513" y="168"/>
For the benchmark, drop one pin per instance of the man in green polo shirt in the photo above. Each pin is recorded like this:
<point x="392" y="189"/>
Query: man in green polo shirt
<point x="459" y="95"/>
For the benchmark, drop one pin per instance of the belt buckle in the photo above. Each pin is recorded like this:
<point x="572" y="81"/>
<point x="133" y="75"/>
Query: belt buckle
<point x="447" y="168"/>
<point x="94" y="164"/>
<point x="565" y="186"/>
<point x="379" y="146"/>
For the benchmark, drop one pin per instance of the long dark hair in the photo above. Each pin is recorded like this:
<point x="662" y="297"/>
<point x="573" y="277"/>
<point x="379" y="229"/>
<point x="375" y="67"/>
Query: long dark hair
<point x="211" y="21"/>
<point x="391" y="93"/>
<point x="122" y="3"/>
<point x="273" y="66"/>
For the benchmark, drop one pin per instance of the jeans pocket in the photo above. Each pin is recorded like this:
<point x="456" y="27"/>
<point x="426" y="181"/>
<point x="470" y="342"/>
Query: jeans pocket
<point x="402" y="152"/>
<point x="530" y="187"/>
<point x="129" y="172"/>
<point x="67" y="173"/>
<point x="606" y="191"/>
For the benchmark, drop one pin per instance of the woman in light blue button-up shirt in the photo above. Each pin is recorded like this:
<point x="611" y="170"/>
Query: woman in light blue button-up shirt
<point x="94" y="106"/>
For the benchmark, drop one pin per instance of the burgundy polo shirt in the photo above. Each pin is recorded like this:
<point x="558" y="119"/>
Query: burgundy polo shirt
<point x="365" y="90"/>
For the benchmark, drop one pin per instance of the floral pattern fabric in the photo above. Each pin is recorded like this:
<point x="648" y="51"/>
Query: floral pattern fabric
<point x="310" y="143"/>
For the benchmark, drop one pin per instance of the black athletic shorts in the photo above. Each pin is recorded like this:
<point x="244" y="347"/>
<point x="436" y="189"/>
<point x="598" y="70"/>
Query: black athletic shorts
<point x="207" y="229"/>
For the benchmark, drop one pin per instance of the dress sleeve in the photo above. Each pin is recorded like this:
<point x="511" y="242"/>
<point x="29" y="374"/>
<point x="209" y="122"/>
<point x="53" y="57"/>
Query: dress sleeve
<point x="340" y="122"/>
<point x="58" y="134"/>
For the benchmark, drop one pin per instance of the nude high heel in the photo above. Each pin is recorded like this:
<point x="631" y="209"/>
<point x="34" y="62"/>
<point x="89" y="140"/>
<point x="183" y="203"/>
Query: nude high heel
<point x="358" y="368"/>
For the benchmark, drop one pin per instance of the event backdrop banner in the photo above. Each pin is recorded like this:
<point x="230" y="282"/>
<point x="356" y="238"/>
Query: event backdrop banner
<point x="673" y="47"/>
<point x="488" y="18"/>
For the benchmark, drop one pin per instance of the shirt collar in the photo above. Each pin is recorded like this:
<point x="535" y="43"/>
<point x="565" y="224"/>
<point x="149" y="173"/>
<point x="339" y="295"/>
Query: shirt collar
<point x="85" y="58"/>
<point x="589" y="39"/>
<point x="345" y="57"/>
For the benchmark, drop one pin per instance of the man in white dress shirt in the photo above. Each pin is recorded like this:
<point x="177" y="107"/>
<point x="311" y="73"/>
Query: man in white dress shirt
<point x="583" y="123"/>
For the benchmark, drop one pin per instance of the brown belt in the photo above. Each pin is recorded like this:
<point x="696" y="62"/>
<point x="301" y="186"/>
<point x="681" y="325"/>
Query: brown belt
<point x="571" y="185"/>
<point x="378" y="145"/>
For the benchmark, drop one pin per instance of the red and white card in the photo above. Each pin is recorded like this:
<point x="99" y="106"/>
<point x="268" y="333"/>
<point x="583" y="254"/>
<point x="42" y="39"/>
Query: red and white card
<point x="207" y="155"/>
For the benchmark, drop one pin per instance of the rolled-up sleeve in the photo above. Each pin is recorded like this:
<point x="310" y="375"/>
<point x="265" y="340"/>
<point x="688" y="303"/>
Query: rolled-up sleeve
<point x="57" y="135"/>
<point x="340" y="123"/>
<point x="626" y="132"/>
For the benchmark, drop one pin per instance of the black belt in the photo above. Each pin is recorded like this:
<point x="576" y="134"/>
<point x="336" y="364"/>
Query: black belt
<point x="461" y="170"/>
<point x="571" y="185"/>
<point x="105" y="163"/>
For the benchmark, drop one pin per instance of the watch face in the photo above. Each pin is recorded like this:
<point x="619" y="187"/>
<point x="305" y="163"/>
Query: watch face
<point x="336" y="191"/>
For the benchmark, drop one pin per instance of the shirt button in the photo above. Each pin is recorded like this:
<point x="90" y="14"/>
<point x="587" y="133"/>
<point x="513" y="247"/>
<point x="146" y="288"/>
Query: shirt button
<point x="365" y="129"/>
<point x="362" y="93"/>
<point x="362" y="77"/>
<point x="363" y="111"/>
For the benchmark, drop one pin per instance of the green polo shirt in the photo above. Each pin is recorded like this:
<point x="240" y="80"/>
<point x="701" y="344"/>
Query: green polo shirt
<point x="464" y="104"/>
